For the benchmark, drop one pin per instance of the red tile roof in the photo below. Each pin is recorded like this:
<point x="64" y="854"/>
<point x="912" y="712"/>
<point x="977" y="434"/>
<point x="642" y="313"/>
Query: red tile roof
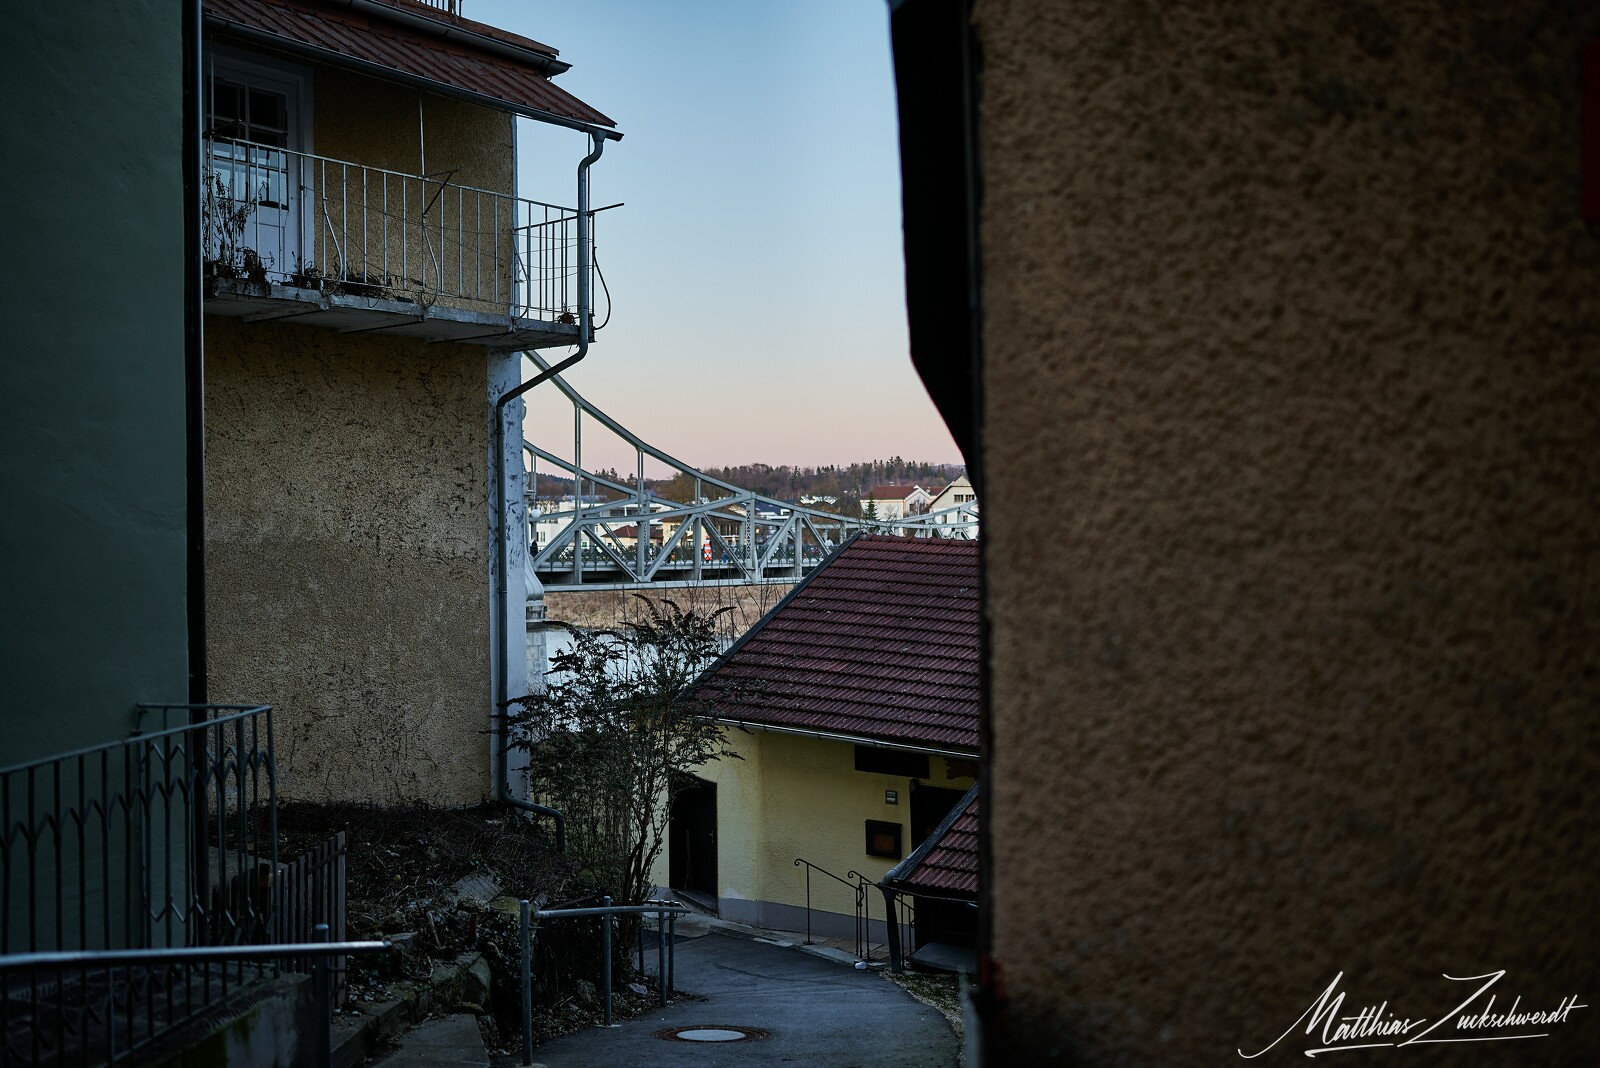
<point x="383" y="41"/>
<point x="427" y="10"/>
<point x="880" y="642"/>
<point x="946" y="863"/>
<point x="890" y="492"/>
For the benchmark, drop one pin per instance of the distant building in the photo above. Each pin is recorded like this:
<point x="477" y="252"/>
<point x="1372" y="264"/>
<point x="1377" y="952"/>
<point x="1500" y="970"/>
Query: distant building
<point x="956" y="505"/>
<point x="890" y="502"/>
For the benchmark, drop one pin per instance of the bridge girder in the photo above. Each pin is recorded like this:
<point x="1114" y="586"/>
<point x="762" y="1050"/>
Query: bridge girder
<point x="738" y="538"/>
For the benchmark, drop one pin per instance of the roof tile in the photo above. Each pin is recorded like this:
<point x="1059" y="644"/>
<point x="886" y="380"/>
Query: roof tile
<point x="881" y="641"/>
<point x="407" y="50"/>
<point x="946" y="864"/>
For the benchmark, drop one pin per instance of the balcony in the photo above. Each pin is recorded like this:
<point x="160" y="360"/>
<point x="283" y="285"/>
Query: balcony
<point x="305" y="238"/>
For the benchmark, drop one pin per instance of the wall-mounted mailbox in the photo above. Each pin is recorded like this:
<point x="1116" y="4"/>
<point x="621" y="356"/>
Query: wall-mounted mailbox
<point x="883" y="839"/>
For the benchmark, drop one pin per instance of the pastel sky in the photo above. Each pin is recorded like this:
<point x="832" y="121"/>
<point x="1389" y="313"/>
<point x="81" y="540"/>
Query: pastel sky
<point x="756" y="266"/>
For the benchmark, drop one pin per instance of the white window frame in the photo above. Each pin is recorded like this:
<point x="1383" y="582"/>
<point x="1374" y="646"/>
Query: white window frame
<point x="294" y="81"/>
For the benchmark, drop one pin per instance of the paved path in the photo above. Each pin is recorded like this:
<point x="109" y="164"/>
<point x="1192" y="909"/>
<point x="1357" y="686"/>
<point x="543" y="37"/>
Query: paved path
<point x="820" y="1013"/>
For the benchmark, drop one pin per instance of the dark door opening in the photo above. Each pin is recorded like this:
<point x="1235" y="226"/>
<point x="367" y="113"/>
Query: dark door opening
<point x="692" y="839"/>
<point x="953" y="923"/>
<point x="929" y="806"/>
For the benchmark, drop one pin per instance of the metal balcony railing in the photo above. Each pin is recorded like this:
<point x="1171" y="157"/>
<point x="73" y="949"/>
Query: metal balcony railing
<point x="163" y="840"/>
<point x="274" y="216"/>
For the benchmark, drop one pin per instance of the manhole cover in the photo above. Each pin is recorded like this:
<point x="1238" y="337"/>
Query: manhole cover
<point x="712" y="1034"/>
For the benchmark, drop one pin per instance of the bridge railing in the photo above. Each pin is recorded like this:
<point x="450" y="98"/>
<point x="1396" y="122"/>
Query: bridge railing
<point x="725" y="533"/>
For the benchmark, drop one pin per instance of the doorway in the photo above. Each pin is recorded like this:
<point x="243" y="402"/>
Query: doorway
<point x="929" y="806"/>
<point x="692" y="840"/>
<point x="257" y="126"/>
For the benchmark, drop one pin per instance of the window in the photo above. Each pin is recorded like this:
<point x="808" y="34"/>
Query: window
<point x="883" y="839"/>
<point x="255" y="129"/>
<point x="891" y="762"/>
<point x="246" y="124"/>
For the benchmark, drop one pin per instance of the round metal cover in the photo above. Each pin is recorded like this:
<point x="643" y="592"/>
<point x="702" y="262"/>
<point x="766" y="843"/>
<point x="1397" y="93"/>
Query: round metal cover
<point x="712" y="1033"/>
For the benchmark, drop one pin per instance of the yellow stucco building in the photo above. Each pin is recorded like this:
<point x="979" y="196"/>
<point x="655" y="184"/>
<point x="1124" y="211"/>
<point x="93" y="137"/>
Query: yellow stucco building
<point x="853" y="707"/>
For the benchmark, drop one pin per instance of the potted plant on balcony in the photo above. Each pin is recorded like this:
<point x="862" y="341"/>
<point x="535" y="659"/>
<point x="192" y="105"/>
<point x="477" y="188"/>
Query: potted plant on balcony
<point x="228" y="259"/>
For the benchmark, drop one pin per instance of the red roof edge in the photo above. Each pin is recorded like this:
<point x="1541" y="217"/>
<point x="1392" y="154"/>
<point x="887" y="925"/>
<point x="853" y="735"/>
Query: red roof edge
<point x="419" y="9"/>
<point x="903" y="876"/>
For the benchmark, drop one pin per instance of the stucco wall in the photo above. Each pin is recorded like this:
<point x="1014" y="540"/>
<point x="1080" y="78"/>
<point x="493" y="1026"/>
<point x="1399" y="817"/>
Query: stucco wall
<point x="92" y="405"/>
<point x="380" y="124"/>
<point x="348" y="556"/>
<point x="792" y="797"/>
<point x="1294" y="304"/>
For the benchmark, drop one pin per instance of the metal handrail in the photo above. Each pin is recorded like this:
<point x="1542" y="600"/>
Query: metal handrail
<point x="321" y="952"/>
<point x="530" y="917"/>
<point x="863" y="930"/>
<point x="237" y="712"/>
<point x="119" y="958"/>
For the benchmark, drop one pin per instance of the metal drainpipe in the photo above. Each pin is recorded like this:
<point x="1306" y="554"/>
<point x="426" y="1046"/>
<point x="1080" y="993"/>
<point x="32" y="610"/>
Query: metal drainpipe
<point x="194" y="358"/>
<point x="585" y="316"/>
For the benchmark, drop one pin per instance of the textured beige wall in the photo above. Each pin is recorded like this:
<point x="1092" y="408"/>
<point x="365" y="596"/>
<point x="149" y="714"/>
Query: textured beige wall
<point x="1293" y="305"/>
<point x="348" y="556"/>
<point x="378" y="124"/>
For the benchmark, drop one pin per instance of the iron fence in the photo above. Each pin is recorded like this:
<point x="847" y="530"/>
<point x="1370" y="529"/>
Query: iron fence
<point x="111" y="1004"/>
<point x="275" y="216"/>
<point x="162" y="840"/>
<point x="308" y="894"/>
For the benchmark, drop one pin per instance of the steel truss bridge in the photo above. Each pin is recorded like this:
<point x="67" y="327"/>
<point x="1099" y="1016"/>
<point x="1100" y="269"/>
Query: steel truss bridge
<point x="725" y="534"/>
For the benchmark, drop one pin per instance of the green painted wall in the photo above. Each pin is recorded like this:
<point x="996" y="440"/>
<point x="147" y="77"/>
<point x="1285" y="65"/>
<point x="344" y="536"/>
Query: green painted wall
<point x="92" y="409"/>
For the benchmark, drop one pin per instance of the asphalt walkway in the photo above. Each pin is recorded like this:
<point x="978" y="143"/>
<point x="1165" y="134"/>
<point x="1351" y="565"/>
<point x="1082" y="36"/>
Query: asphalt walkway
<point x="813" y="1011"/>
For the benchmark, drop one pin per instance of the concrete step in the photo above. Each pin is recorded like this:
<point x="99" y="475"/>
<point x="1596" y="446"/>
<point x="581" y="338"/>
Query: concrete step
<point x="454" y="1041"/>
<point x="358" y="1034"/>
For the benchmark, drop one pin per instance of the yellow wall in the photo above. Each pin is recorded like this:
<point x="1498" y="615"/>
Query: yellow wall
<point x="375" y="123"/>
<point x="348" y="556"/>
<point x="795" y="797"/>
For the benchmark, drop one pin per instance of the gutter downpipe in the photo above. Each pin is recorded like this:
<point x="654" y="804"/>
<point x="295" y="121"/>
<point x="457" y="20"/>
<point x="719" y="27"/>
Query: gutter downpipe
<point x="597" y="142"/>
<point x="194" y="407"/>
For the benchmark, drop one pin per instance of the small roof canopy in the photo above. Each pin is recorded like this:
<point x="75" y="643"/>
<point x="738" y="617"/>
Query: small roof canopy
<point x="946" y="863"/>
